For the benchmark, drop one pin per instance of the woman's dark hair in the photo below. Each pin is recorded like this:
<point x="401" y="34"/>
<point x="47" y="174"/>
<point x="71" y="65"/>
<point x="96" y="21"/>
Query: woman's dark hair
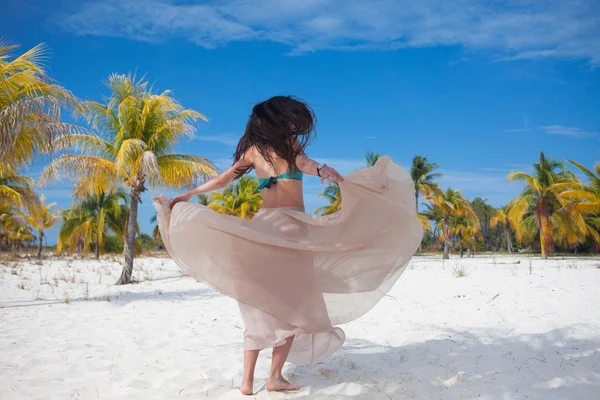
<point x="283" y="125"/>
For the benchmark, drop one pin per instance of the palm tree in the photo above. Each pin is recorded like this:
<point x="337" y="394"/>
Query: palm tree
<point x="451" y="213"/>
<point x="30" y="106"/>
<point x="14" y="188"/>
<point x="138" y="130"/>
<point x="10" y="221"/>
<point x="333" y="195"/>
<point x="467" y="233"/>
<point x="371" y="158"/>
<point x="90" y="220"/>
<point x="204" y="199"/>
<point x="594" y="177"/>
<point x="585" y="203"/>
<point x="38" y="216"/>
<point x="500" y="217"/>
<point x="542" y="209"/>
<point x="423" y="176"/>
<point x="241" y="199"/>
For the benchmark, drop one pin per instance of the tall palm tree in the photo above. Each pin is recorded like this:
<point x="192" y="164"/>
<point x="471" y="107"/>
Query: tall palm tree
<point x="38" y="215"/>
<point x="30" y="106"/>
<point x="241" y="199"/>
<point x="500" y="217"/>
<point x="541" y="209"/>
<point x="423" y="176"/>
<point x="91" y="219"/>
<point x="334" y="198"/>
<point x="138" y="130"/>
<point x="451" y="213"/>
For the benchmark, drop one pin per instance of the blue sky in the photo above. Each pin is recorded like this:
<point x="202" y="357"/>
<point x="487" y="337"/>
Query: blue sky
<point x="478" y="87"/>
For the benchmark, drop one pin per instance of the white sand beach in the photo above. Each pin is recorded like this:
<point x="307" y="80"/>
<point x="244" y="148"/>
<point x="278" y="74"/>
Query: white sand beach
<point x="505" y="330"/>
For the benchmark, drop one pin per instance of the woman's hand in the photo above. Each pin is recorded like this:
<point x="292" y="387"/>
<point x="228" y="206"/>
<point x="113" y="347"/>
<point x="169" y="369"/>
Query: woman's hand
<point x="331" y="175"/>
<point x="177" y="199"/>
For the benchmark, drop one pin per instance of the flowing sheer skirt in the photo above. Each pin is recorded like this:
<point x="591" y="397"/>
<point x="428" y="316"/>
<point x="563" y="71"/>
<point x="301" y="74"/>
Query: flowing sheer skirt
<point x="301" y="275"/>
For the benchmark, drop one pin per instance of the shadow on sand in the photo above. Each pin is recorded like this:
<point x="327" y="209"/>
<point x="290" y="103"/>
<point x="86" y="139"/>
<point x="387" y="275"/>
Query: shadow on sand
<point x="122" y="298"/>
<point x="460" y="365"/>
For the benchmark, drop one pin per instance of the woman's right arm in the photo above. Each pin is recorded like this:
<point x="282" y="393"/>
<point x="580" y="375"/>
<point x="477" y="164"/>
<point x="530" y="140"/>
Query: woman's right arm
<point x="217" y="182"/>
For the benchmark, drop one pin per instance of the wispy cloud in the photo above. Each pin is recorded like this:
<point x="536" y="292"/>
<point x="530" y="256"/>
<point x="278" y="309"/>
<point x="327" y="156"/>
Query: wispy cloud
<point x="526" y="126"/>
<point x="512" y="29"/>
<point x="228" y="140"/>
<point x="567" y="131"/>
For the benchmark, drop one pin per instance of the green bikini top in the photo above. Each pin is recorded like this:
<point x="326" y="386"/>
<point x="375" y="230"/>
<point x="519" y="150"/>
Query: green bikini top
<point x="268" y="182"/>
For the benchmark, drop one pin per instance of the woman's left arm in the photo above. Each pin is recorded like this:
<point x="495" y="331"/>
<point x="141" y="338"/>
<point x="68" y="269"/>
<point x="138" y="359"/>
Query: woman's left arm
<point x="311" y="167"/>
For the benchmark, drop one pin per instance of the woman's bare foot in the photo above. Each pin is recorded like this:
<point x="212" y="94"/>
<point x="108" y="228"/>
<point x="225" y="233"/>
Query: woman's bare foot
<point x="280" y="384"/>
<point x="246" y="387"/>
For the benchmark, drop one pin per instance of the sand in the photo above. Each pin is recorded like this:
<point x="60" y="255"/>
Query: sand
<point x="502" y="331"/>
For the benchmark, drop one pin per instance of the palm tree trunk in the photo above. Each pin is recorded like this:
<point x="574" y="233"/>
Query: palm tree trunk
<point x="417" y="208"/>
<point x="509" y="240"/>
<point x="39" y="251"/>
<point x="129" y="245"/>
<point x="97" y="250"/>
<point x="545" y="228"/>
<point x="446" y="255"/>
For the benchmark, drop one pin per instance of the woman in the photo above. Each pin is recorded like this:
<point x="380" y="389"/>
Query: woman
<point x="295" y="276"/>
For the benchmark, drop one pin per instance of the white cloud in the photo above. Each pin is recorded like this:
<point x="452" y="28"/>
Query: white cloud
<point x="567" y="131"/>
<point x="512" y="29"/>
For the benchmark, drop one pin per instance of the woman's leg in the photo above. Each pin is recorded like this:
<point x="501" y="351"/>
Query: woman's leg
<point x="250" y="357"/>
<point x="280" y="354"/>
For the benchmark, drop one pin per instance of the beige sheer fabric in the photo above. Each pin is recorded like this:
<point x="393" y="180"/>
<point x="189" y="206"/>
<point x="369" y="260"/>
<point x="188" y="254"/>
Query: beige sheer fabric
<point x="295" y="274"/>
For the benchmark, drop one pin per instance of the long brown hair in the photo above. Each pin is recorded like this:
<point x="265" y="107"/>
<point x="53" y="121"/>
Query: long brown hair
<point x="283" y="125"/>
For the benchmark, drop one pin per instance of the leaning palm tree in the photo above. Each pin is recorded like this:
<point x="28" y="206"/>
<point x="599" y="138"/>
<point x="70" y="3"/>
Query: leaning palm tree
<point x="30" y="106"/>
<point x="541" y="209"/>
<point x="448" y="209"/>
<point x="38" y="215"/>
<point x="137" y="132"/>
<point x="500" y="217"/>
<point x="90" y="220"/>
<point x="241" y="199"/>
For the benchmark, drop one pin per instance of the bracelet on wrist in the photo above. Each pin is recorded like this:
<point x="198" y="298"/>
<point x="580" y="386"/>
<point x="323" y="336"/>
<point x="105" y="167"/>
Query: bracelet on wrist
<point x="319" y="168"/>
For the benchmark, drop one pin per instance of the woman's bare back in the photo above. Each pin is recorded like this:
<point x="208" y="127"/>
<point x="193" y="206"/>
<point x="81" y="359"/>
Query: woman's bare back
<point x="286" y="192"/>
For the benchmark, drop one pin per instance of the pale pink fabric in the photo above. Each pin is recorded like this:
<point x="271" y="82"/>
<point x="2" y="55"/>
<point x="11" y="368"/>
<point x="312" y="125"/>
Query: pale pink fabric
<point x="295" y="274"/>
